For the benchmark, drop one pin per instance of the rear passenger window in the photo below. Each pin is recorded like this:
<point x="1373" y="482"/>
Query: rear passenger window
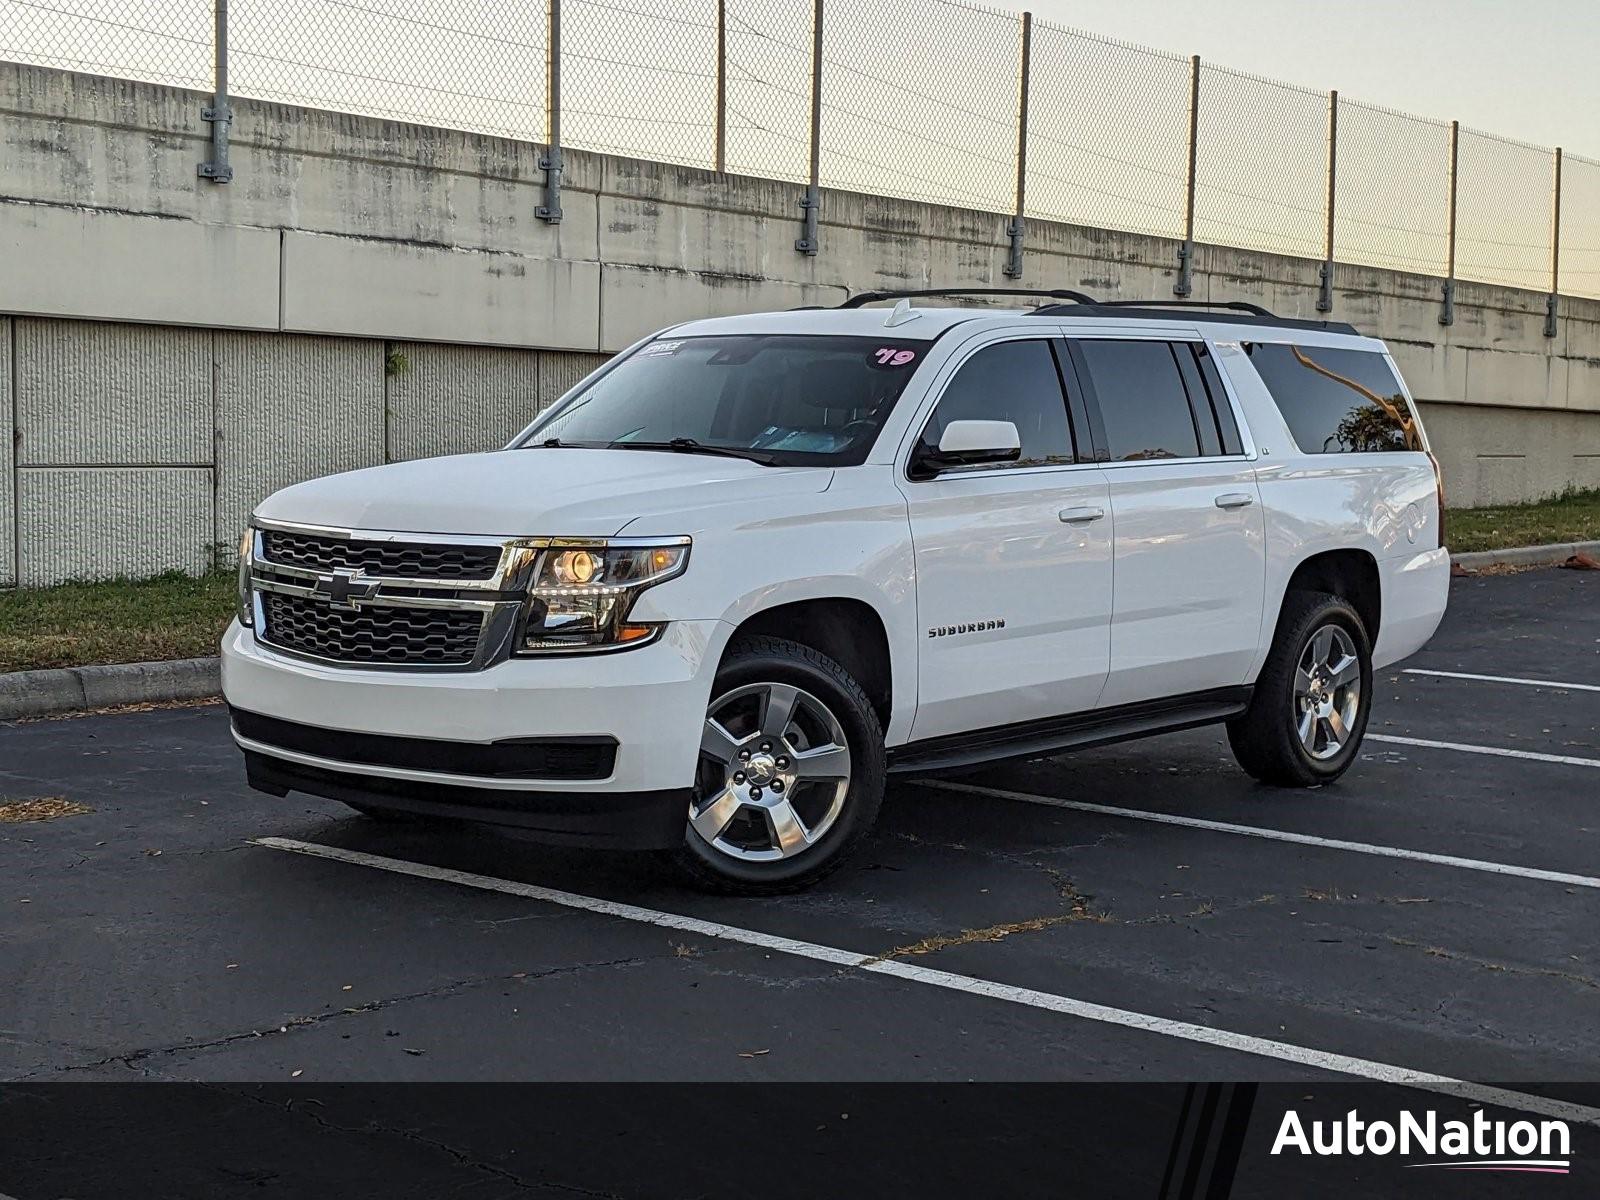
<point x="1337" y="401"/>
<point x="1144" y="406"/>
<point x="1221" y="409"/>
<point x="1010" y="381"/>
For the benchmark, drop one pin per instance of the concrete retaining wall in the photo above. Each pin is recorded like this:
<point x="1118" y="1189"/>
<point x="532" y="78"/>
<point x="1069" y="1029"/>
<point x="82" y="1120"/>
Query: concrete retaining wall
<point x="366" y="290"/>
<point x="142" y="448"/>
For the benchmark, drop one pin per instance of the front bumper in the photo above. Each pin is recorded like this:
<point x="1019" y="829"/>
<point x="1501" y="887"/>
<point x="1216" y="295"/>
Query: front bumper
<point x="601" y="820"/>
<point x="650" y="702"/>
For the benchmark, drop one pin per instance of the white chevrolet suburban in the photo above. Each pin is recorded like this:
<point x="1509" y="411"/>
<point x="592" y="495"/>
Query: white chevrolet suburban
<point x="714" y="595"/>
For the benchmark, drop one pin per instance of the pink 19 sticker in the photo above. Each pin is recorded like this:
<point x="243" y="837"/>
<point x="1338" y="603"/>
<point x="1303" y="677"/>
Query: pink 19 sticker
<point x="888" y="356"/>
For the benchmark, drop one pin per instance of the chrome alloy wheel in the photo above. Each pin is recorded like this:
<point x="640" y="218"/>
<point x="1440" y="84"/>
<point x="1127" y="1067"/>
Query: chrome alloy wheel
<point x="1327" y="692"/>
<point x="774" y="772"/>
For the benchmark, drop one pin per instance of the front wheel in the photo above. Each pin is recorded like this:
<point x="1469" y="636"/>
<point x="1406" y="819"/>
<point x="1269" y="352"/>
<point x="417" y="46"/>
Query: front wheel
<point x="1309" y="710"/>
<point x="791" y="771"/>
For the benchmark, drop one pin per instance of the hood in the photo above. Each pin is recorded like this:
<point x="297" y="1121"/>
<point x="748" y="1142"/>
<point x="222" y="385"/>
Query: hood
<point x="535" y="492"/>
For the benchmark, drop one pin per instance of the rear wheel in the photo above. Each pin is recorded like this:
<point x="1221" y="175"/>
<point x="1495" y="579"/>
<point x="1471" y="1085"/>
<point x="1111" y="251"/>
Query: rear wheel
<point x="1309" y="710"/>
<point x="791" y="771"/>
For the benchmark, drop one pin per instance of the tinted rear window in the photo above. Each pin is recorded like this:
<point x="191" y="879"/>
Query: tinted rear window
<point x="1143" y="404"/>
<point x="1337" y="401"/>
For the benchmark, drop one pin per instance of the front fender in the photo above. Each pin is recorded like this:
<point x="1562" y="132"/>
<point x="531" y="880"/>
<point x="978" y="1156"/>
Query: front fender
<point x="850" y="542"/>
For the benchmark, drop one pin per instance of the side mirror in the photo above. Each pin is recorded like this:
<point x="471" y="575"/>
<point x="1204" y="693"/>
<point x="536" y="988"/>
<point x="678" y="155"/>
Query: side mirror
<point x="968" y="444"/>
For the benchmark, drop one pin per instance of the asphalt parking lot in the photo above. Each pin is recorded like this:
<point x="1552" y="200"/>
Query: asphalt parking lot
<point x="1140" y="912"/>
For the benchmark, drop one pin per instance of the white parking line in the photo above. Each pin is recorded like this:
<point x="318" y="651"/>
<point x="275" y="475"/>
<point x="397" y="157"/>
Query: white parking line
<point x="1182" y="1030"/>
<point x="1542" y="683"/>
<point x="1497" y="751"/>
<point x="1271" y="835"/>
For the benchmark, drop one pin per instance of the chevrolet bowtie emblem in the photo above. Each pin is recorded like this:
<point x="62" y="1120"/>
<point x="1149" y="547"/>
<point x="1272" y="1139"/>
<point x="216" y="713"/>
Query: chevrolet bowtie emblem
<point x="344" y="588"/>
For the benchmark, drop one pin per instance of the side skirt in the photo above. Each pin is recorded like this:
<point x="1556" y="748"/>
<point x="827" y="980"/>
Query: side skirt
<point x="1098" y="727"/>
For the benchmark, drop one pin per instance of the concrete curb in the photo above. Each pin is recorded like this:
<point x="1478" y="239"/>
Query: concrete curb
<point x="74" y="689"/>
<point x="1525" y="556"/>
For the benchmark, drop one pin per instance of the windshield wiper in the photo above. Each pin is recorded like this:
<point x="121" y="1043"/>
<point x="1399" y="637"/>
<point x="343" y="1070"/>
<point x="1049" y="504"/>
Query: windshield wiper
<point x="687" y="445"/>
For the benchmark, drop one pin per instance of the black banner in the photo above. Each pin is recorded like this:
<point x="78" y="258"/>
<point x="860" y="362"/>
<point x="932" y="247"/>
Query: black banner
<point x="1167" y="1141"/>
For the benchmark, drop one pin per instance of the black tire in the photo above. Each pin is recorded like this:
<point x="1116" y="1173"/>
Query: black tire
<point x="761" y="659"/>
<point x="1264" y="739"/>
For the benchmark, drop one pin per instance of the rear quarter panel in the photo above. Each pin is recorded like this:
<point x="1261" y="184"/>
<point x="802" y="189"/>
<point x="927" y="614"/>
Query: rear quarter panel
<point x="1382" y="503"/>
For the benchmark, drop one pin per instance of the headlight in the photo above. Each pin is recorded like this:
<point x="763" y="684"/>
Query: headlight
<point x="247" y="610"/>
<point x="581" y="597"/>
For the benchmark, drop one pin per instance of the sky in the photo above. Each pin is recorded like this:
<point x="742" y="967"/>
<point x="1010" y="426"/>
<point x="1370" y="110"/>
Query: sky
<point x="1528" y="69"/>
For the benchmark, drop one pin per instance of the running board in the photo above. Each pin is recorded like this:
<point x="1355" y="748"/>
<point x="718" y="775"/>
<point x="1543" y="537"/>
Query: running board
<point x="1098" y="727"/>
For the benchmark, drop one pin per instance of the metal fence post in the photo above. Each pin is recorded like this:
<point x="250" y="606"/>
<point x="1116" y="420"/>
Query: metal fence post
<point x="1185" y="283"/>
<point x="550" y="163"/>
<point x="219" y="113"/>
<point x="1325" y="294"/>
<point x="1555" y="251"/>
<point x="1014" y="231"/>
<point x="719" y="157"/>
<point x="812" y="201"/>
<point x="1447" y="315"/>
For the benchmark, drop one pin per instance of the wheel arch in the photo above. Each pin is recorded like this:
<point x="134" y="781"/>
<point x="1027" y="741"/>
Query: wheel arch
<point x="849" y="630"/>
<point x="1351" y="573"/>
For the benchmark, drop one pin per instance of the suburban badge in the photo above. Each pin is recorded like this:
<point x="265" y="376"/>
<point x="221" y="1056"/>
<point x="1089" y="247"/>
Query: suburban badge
<point x="970" y="627"/>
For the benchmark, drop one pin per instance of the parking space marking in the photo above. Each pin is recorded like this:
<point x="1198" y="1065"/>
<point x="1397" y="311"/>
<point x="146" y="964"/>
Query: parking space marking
<point x="1497" y="751"/>
<point x="1542" y="683"/>
<point x="1271" y="835"/>
<point x="1182" y="1030"/>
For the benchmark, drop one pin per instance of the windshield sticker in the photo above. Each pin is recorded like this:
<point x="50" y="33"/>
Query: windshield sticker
<point x="892" y="356"/>
<point x="660" y="349"/>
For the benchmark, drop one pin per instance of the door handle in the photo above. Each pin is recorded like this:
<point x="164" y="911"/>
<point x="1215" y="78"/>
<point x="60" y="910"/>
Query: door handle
<point x="1235" y="500"/>
<point x="1081" y="516"/>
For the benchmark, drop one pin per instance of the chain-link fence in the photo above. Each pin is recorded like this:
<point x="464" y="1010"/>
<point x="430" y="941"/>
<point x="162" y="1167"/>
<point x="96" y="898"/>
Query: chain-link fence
<point x="1392" y="195"/>
<point x="908" y="124"/>
<point x="1580" y="226"/>
<point x="1503" y="223"/>
<point x="933" y="100"/>
<point x="1107" y="133"/>
<point x="767" y="73"/>
<point x="639" y="77"/>
<point x="1261" y="176"/>
<point x="155" y="40"/>
<point x="457" y="63"/>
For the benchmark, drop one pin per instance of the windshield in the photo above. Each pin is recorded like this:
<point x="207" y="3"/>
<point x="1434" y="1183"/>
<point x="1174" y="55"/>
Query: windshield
<point x="778" y="399"/>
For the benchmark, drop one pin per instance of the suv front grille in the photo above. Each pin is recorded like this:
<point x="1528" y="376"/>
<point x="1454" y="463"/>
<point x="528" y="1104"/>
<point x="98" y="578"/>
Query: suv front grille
<point x="392" y="560"/>
<point x="378" y="634"/>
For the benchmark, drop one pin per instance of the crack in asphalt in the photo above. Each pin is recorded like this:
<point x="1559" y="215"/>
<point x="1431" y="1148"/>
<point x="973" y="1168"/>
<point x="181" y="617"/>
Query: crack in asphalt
<point x="989" y="933"/>
<point x="1490" y="964"/>
<point x="10" y="1037"/>
<point x="132" y="1058"/>
<point x="1078" y="902"/>
<point x="1077" y="910"/>
<point x="1072" y="896"/>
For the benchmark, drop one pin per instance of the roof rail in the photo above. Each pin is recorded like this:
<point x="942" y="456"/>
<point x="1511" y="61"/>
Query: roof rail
<point x="1232" y="305"/>
<point x="1157" y="310"/>
<point x="862" y="298"/>
<point x="1243" y="306"/>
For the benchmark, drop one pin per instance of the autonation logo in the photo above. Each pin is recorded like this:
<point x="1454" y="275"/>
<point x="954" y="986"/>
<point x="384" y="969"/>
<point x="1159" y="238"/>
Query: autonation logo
<point x="1477" y="1145"/>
